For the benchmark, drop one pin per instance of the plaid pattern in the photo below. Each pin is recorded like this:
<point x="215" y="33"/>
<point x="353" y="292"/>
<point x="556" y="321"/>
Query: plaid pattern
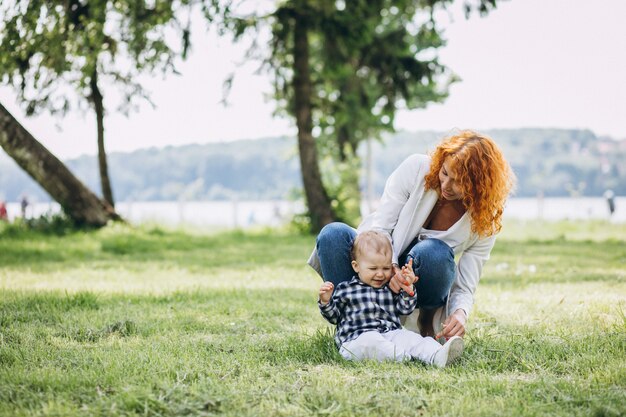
<point x="357" y="308"/>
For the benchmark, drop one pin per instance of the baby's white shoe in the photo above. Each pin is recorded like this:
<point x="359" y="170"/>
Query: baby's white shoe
<point x="449" y="352"/>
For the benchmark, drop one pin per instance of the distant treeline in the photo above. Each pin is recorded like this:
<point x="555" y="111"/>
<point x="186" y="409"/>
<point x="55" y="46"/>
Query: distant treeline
<point x="555" y="162"/>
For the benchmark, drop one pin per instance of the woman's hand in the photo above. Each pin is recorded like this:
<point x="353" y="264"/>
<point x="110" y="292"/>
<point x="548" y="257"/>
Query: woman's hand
<point x="326" y="291"/>
<point x="403" y="278"/>
<point x="454" y="325"/>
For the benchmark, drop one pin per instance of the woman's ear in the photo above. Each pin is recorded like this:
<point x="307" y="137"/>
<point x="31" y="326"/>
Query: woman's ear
<point x="355" y="266"/>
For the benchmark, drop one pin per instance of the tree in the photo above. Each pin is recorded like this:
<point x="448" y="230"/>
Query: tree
<point x="77" y="201"/>
<point x="292" y="24"/>
<point x="50" y="48"/>
<point x="345" y="67"/>
<point x="372" y="60"/>
<point x="318" y="202"/>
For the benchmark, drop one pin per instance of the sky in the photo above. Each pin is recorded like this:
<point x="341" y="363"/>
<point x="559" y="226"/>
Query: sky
<point x="529" y="63"/>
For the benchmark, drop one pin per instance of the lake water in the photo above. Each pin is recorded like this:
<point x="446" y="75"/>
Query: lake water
<point x="230" y="214"/>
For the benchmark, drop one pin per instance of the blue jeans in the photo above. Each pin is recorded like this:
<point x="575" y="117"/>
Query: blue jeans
<point x="433" y="263"/>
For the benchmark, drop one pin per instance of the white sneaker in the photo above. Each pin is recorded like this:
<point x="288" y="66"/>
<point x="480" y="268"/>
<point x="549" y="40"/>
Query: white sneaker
<point x="449" y="352"/>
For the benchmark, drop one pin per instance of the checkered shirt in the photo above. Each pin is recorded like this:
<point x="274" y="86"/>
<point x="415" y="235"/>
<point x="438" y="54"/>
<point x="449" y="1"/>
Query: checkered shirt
<point x="356" y="308"/>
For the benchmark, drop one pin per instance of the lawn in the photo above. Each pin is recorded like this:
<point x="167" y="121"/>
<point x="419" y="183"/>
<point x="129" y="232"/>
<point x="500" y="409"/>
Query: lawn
<point x="153" y="322"/>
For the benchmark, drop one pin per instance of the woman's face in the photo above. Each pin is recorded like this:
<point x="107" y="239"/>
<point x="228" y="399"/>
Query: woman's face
<point x="450" y="186"/>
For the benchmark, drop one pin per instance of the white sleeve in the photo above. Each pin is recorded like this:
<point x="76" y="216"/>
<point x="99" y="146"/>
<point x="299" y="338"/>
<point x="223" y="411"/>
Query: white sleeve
<point x="468" y="271"/>
<point x="397" y="191"/>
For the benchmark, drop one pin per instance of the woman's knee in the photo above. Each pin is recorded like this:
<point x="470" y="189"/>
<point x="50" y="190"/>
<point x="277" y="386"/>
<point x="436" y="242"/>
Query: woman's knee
<point x="333" y="249"/>
<point x="433" y="251"/>
<point x="335" y="232"/>
<point x="434" y="265"/>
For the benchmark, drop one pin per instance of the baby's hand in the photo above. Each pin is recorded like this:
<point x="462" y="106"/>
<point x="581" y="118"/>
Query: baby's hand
<point x="326" y="291"/>
<point x="409" y="275"/>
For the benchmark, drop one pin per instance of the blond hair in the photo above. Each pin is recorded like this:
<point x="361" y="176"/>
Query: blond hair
<point x="370" y="240"/>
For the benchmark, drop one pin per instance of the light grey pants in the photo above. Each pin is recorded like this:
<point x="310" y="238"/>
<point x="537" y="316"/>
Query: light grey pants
<point x="396" y="345"/>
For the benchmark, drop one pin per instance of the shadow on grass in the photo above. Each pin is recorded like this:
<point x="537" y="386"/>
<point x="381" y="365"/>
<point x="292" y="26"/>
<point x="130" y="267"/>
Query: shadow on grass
<point x="110" y="246"/>
<point x="220" y="315"/>
<point x="43" y="307"/>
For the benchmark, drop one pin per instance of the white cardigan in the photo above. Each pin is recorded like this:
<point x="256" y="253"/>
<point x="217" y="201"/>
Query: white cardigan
<point x="403" y="209"/>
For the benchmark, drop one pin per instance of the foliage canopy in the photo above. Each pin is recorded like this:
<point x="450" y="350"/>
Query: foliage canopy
<point x="50" y="48"/>
<point x="366" y="59"/>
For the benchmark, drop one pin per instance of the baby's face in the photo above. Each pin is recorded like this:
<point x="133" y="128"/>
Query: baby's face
<point x="374" y="268"/>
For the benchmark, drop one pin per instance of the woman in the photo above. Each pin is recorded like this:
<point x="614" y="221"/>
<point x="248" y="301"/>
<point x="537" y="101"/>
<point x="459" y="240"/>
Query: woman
<point x="433" y="208"/>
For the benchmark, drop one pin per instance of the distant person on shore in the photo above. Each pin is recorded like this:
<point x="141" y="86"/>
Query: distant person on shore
<point x="3" y="211"/>
<point x="366" y="311"/>
<point x="24" y="205"/>
<point x="609" y="195"/>
<point x="278" y="216"/>
<point x="434" y="208"/>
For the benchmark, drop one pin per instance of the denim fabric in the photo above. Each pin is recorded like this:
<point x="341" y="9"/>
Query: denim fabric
<point x="334" y="243"/>
<point x="433" y="263"/>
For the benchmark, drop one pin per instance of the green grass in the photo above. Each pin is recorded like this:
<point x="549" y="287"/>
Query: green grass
<point x="152" y="322"/>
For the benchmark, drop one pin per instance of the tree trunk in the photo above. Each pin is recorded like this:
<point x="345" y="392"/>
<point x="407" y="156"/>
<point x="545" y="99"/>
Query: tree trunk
<point x="343" y="141"/>
<point x="78" y="202"/>
<point x="317" y="199"/>
<point x="97" y="100"/>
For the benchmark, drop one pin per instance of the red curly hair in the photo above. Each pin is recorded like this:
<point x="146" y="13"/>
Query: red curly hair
<point x="485" y="177"/>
